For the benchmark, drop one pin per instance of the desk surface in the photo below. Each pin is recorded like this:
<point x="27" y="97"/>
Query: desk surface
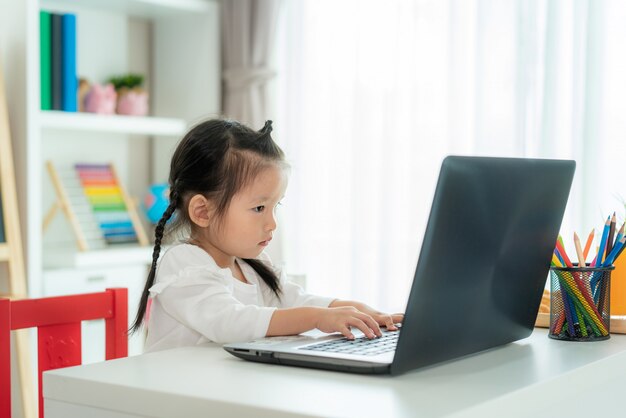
<point x="536" y="376"/>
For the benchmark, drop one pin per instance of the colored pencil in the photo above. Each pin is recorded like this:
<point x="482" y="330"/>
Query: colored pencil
<point x="592" y="282"/>
<point x="558" y="325"/>
<point x="588" y="243"/>
<point x="559" y="246"/>
<point x="558" y="256"/>
<point x="586" y="299"/>
<point x="555" y="261"/>
<point x="579" y="251"/>
<point x="601" y="287"/>
<point x="609" y="241"/>
<point x="585" y="293"/>
<point x="581" y="318"/>
<point x="613" y="254"/>
<point x="566" y="308"/>
<point x="583" y="298"/>
<point x="605" y="234"/>
<point x="575" y="315"/>
<point x="620" y="234"/>
<point x="575" y="295"/>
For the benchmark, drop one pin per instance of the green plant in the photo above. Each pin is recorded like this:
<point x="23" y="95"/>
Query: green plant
<point x="128" y="81"/>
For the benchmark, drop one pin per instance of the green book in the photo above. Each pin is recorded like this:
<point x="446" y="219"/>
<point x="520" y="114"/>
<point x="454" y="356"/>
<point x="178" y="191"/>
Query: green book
<point x="45" y="57"/>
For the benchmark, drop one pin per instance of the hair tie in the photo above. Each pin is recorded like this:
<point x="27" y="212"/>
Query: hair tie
<point x="267" y="128"/>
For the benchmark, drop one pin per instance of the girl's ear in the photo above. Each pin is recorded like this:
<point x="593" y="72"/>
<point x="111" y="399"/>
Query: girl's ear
<point x="200" y="209"/>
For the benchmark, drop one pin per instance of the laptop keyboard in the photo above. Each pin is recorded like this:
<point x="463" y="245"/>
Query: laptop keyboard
<point x="360" y="346"/>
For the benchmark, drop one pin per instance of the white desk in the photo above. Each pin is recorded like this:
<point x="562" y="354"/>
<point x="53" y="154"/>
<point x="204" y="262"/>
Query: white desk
<point x="533" y="377"/>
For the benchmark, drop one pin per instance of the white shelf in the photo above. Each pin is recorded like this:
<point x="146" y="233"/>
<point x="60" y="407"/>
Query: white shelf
<point x="139" y="125"/>
<point x="140" y="8"/>
<point x="118" y="255"/>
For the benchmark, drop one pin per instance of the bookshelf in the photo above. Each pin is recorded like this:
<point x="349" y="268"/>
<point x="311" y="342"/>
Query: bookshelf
<point x="175" y="44"/>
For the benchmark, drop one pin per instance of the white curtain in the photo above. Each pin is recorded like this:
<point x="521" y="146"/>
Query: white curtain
<point x="373" y="94"/>
<point x="248" y="41"/>
<point x="248" y="29"/>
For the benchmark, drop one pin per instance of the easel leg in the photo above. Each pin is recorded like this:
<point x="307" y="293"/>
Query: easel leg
<point x="50" y="215"/>
<point x="17" y="276"/>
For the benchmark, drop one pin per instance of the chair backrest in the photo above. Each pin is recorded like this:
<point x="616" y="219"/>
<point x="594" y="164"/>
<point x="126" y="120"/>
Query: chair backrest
<point x="57" y="320"/>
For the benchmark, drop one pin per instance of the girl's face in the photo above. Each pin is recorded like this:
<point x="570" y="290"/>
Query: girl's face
<point x="250" y="220"/>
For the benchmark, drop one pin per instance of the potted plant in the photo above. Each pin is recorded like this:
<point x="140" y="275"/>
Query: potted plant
<point x="132" y="99"/>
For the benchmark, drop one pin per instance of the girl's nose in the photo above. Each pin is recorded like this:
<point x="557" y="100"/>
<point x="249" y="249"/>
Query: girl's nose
<point x="271" y="222"/>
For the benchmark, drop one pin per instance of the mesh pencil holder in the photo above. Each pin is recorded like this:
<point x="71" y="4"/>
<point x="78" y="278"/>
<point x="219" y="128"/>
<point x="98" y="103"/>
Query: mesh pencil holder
<point x="579" y="303"/>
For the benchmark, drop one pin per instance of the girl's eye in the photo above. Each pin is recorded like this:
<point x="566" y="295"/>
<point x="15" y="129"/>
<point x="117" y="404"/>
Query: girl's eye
<point x="259" y="209"/>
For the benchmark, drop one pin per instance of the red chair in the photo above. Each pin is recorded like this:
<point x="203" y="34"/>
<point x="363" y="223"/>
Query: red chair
<point x="57" y="320"/>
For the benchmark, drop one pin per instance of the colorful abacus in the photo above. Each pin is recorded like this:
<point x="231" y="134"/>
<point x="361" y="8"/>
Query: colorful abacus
<point x="98" y="208"/>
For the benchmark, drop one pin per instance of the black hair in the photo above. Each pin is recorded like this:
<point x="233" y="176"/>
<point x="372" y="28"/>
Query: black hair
<point x="216" y="158"/>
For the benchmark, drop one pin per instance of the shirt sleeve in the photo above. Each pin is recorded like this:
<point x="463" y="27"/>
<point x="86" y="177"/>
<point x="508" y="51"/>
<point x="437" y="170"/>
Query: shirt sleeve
<point x="203" y="301"/>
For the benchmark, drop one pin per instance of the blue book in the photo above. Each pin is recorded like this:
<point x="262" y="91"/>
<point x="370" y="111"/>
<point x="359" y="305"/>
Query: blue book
<point x="68" y="53"/>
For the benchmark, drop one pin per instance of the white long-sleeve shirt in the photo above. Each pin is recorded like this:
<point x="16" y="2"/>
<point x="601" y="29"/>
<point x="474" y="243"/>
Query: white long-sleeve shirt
<point x="195" y="301"/>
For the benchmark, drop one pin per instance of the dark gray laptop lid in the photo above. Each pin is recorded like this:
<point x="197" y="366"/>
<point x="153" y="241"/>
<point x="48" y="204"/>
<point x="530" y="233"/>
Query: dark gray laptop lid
<point x="485" y="256"/>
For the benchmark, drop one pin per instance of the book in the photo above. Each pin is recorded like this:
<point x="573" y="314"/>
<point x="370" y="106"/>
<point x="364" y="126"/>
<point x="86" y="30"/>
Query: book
<point x="45" y="52"/>
<point x="56" y="61"/>
<point x="69" y="80"/>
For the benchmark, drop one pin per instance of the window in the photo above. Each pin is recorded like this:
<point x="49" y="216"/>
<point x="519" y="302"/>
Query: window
<point x="373" y="94"/>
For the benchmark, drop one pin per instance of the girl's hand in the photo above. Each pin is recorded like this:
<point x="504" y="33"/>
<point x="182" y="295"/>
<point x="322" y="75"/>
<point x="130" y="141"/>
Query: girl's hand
<point x="387" y="320"/>
<point x="342" y="318"/>
<point x="382" y="319"/>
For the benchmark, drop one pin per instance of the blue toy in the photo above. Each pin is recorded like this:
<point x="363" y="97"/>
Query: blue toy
<point x="156" y="201"/>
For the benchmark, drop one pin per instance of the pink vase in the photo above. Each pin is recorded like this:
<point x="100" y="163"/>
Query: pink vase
<point x="101" y="99"/>
<point x="133" y="103"/>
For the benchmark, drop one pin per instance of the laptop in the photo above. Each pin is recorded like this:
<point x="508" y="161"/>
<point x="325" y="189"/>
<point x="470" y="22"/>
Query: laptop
<point x="479" y="278"/>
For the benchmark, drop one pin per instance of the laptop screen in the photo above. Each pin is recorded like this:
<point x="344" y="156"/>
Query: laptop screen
<point x="485" y="256"/>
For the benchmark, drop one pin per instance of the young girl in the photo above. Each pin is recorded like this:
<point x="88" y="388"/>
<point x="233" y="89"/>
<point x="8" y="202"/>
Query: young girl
<point x="225" y="183"/>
